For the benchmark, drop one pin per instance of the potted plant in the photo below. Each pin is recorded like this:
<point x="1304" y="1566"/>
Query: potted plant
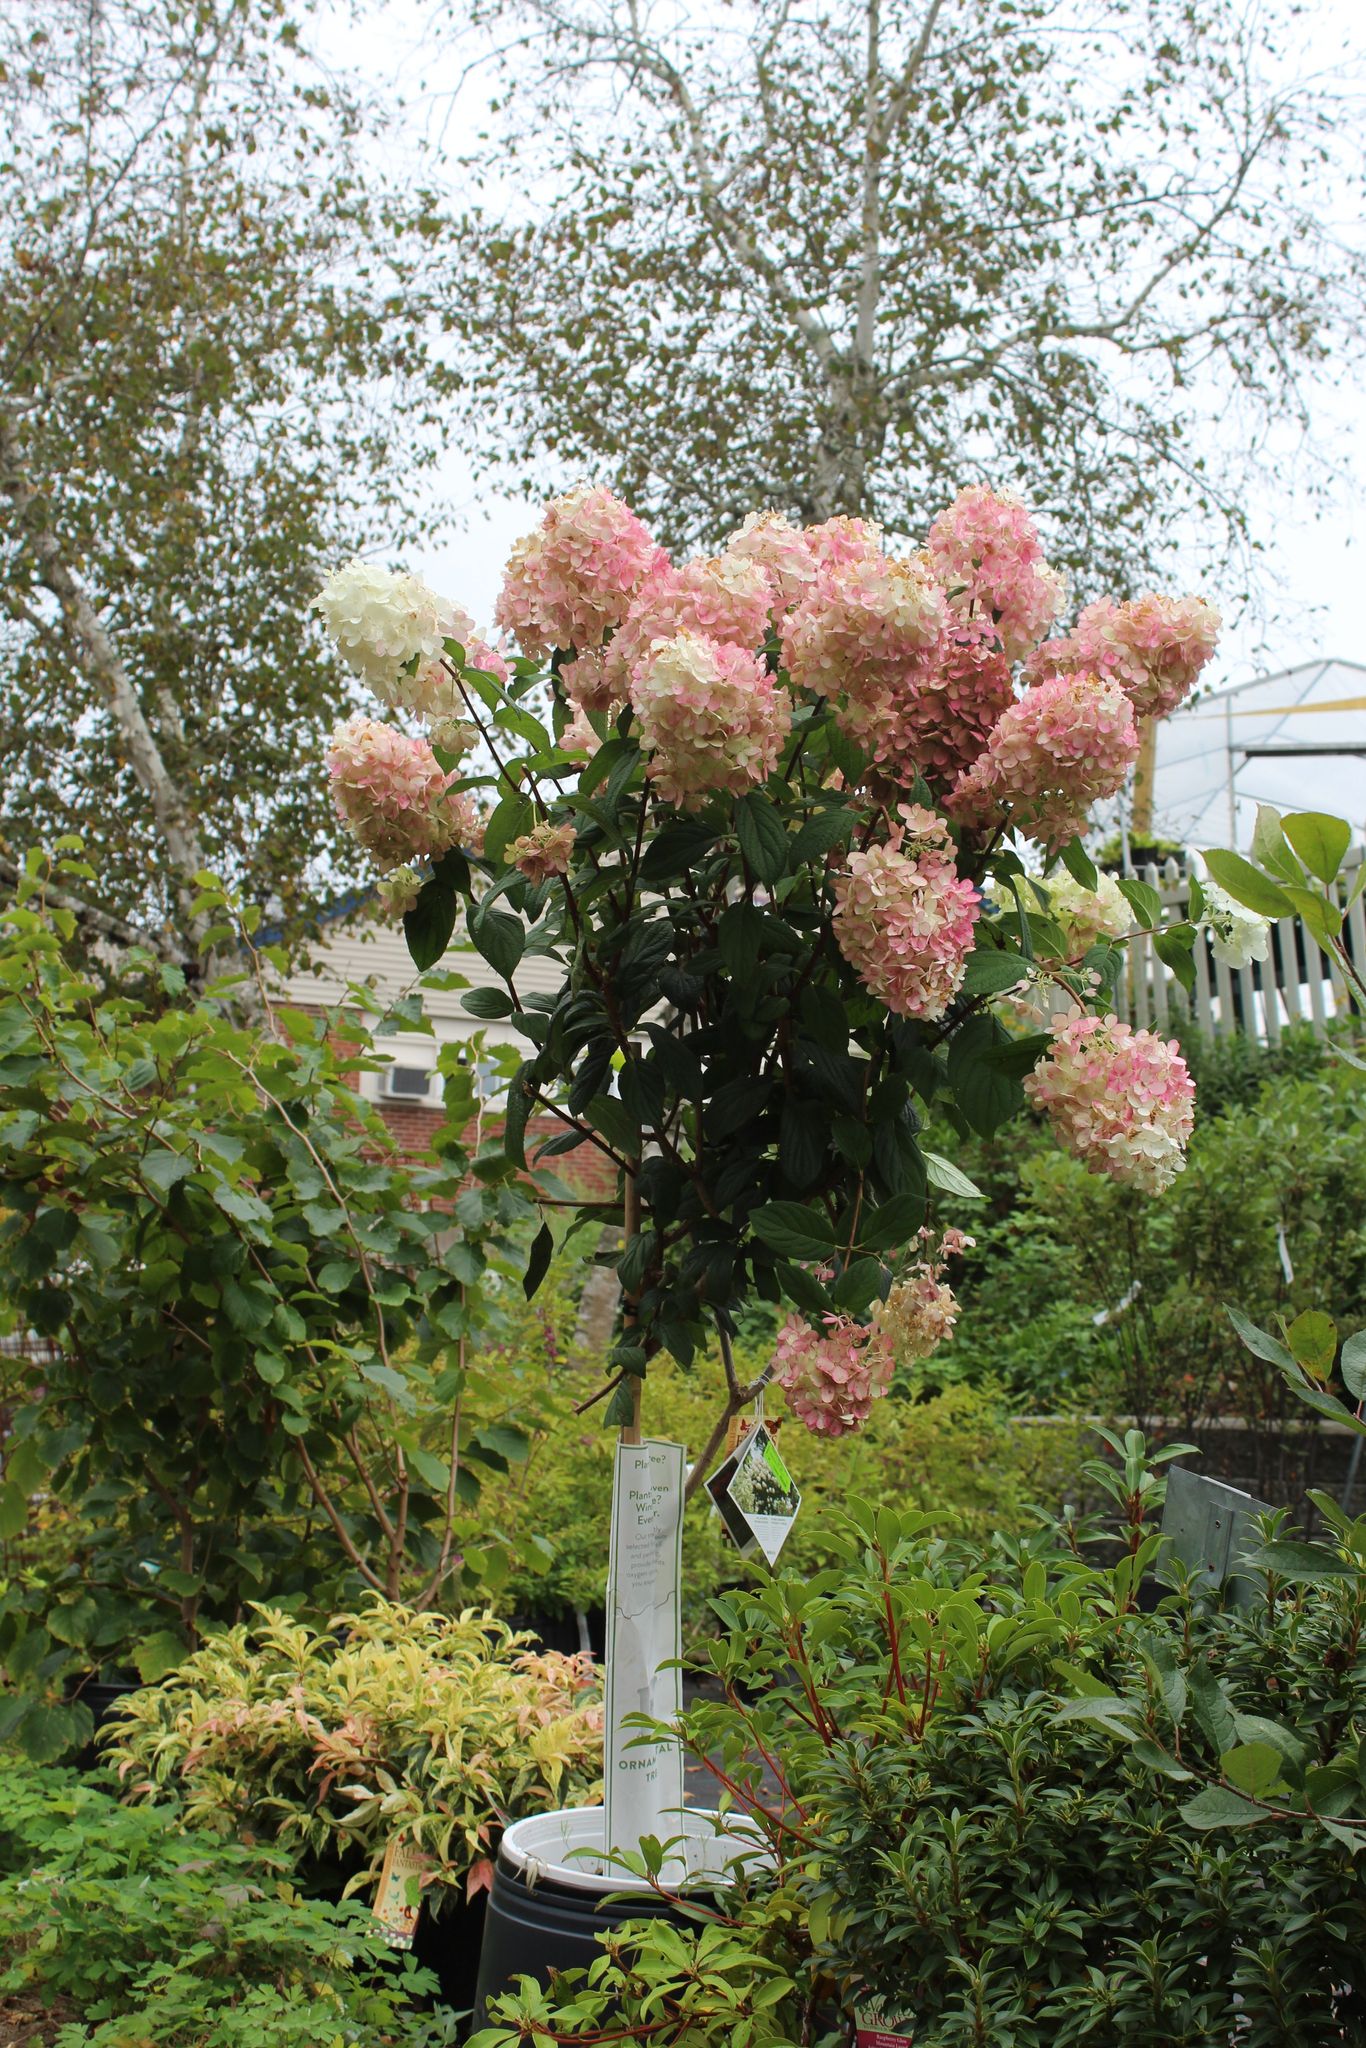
<point x="1006" y="1803"/>
<point x="787" y="820"/>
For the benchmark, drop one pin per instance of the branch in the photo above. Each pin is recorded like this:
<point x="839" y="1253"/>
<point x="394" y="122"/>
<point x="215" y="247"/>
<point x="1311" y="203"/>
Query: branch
<point x="102" y="922"/>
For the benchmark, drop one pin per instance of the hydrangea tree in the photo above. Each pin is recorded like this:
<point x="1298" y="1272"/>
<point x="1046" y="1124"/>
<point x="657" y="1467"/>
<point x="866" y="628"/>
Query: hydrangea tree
<point x="789" y="819"/>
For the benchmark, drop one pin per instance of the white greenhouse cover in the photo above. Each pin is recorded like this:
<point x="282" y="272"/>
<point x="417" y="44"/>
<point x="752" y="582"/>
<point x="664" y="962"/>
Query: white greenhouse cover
<point x="1296" y="739"/>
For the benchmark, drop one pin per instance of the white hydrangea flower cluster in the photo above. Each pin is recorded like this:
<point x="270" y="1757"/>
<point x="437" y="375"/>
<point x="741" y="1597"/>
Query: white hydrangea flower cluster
<point x="1239" y="936"/>
<point x="380" y="621"/>
<point x="1089" y="915"/>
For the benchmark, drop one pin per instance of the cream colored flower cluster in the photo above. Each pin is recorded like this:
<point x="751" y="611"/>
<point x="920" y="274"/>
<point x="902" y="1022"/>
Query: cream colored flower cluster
<point x="1238" y="936"/>
<point x="920" y="1310"/>
<point x="1089" y="915"/>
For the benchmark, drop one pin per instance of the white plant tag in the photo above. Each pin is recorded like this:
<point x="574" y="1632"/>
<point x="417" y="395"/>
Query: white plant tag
<point x="756" y="1496"/>
<point x="643" y="1781"/>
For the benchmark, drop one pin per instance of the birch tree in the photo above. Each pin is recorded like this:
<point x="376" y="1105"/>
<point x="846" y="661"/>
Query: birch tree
<point x="211" y="379"/>
<point x="841" y="257"/>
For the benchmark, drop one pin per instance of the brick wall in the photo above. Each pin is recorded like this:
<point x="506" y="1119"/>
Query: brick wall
<point x="588" y="1171"/>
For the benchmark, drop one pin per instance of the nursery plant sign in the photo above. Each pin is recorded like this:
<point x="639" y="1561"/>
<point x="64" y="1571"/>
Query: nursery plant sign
<point x="398" y="1899"/>
<point x="643" y="1779"/>
<point x="878" y="2024"/>
<point x="755" y="1495"/>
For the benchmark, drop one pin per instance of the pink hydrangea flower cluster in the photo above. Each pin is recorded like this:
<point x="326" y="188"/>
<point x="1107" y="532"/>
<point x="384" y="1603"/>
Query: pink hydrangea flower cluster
<point x="1121" y="1100"/>
<point x="941" y="724"/>
<point x="986" y="552"/>
<point x="544" y="851"/>
<point x="1154" y="647"/>
<point x="844" y="540"/>
<point x="593" y="681"/>
<point x="572" y="580"/>
<point x="711" y="719"/>
<point x="863" y="634"/>
<point x="920" y="1311"/>
<point x="393" y="794"/>
<point x="779" y="548"/>
<point x="1068" y="741"/>
<point x="904" y="918"/>
<point x="831" y="1377"/>
<point x="726" y="598"/>
<point x="1088" y="915"/>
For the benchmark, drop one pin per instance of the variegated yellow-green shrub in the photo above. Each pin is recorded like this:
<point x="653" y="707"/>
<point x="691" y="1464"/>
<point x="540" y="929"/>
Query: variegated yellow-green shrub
<point x="435" y="1727"/>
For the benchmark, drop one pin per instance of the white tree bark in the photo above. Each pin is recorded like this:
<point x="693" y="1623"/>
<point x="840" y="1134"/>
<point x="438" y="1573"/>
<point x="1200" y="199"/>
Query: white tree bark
<point x="103" y="664"/>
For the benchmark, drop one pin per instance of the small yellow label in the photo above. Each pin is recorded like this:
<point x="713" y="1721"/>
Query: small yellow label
<point x="398" y="1897"/>
<point x="738" y="1426"/>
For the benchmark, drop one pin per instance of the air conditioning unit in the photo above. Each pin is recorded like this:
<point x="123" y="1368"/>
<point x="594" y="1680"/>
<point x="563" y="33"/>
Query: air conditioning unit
<point x="407" y="1084"/>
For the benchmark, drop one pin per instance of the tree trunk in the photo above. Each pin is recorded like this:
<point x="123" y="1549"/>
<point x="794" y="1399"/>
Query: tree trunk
<point x="104" y="665"/>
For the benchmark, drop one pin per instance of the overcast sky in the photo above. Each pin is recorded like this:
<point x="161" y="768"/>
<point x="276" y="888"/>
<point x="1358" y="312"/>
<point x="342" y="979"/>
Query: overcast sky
<point x="1308" y="600"/>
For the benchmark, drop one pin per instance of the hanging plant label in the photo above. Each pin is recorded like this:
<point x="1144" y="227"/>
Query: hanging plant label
<point x="755" y="1495"/>
<point x="643" y="1779"/>
<point x="398" y="1896"/>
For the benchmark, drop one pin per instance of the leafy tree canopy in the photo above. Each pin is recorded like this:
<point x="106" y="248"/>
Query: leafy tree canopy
<point x="211" y="380"/>
<point x="842" y="259"/>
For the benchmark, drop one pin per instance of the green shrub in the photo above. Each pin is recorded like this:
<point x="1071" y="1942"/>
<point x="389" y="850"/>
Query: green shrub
<point x="956" y="1455"/>
<point x="165" y="1937"/>
<point x="1017" y="1809"/>
<point x="1080" y="1293"/>
<point x="425" y="1725"/>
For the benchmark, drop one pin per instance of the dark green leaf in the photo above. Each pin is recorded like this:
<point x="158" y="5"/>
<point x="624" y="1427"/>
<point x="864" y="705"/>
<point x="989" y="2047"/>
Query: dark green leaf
<point x="1302" y="1564"/>
<point x="428" y="926"/>
<point x="511" y="818"/>
<point x="1080" y="865"/>
<point x="487" y="1002"/>
<point x="1142" y="898"/>
<point x="1175" y="948"/>
<point x="1352" y="1365"/>
<point x="762" y="835"/>
<point x="617" y="1125"/>
<point x="894" y="1224"/>
<point x="1217" y="1807"/>
<point x="520" y="1096"/>
<point x="821" y="831"/>
<point x="500" y="937"/>
<point x="1259" y="1342"/>
<point x="987" y="1096"/>
<point x="991" y="970"/>
<point x="538" y="1260"/>
<point x="858" y="1286"/>
<point x="793" y="1230"/>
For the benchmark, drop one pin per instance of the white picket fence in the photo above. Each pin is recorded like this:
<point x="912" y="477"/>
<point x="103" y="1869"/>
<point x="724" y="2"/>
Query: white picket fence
<point x="1296" y="984"/>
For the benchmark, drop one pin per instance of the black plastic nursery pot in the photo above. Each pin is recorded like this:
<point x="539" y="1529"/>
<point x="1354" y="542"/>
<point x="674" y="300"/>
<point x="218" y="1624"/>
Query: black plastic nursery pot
<point x="563" y="1630"/>
<point x="552" y="1897"/>
<point x="104" y="1697"/>
<point x="447" y="1941"/>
